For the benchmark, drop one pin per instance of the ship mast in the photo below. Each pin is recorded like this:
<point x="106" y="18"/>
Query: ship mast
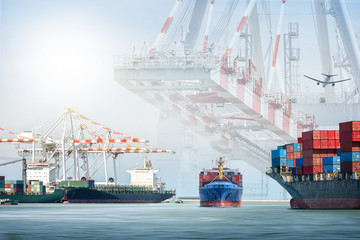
<point x="220" y="168"/>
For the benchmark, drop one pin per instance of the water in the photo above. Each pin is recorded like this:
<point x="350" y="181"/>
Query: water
<point x="174" y="221"/>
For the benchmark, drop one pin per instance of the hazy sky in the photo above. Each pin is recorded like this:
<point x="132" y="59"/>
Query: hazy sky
<point x="59" y="53"/>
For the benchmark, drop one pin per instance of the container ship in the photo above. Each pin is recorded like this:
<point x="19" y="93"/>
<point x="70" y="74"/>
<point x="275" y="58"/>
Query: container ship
<point x="144" y="188"/>
<point x="322" y="170"/>
<point x="13" y="190"/>
<point x="220" y="187"/>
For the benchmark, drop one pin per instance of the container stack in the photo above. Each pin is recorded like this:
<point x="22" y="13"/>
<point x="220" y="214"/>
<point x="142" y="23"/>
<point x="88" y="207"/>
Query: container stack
<point x="350" y="146"/>
<point x="331" y="164"/>
<point x="316" y="146"/>
<point x="2" y="184"/>
<point x="14" y="186"/>
<point x="279" y="157"/>
<point x="90" y="183"/>
<point x="35" y="186"/>
<point x="208" y="176"/>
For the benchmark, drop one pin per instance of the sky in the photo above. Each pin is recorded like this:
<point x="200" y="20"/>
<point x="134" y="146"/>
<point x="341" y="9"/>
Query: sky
<point x="57" y="54"/>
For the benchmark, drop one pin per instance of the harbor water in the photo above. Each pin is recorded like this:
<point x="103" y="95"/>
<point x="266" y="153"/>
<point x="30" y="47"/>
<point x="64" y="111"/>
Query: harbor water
<point x="260" y="220"/>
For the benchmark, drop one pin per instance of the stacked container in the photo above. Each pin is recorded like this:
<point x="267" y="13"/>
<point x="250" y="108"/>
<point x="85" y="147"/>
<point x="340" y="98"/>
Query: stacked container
<point x="90" y="183"/>
<point x="316" y="145"/>
<point x="279" y="157"/>
<point x="350" y="146"/>
<point x="2" y="184"/>
<point x="331" y="164"/>
<point x="293" y="151"/>
<point x="35" y="186"/>
<point x="208" y="176"/>
<point x="14" y="186"/>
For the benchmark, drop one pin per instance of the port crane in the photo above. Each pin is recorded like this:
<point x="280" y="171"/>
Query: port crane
<point x="82" y="148"/>
<point x="233" y="92"/>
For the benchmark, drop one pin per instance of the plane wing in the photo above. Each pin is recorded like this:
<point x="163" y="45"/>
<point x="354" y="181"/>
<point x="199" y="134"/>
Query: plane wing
<point x="314" y="79"/>
<point x="343" y="80"/>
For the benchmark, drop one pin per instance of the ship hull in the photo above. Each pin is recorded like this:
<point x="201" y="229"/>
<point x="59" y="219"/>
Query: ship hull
<point x="55" y="197"/>
<point x="328" y="194"/>
<point x="88" y="195"/>
<point x="325" y="203"/>
<point x="220" y="194"/>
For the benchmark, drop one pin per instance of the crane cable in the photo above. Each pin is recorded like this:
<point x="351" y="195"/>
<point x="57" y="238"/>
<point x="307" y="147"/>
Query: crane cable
<point x="15" y="161"/>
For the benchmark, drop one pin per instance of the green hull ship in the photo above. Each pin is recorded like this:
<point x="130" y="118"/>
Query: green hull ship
<point x="55" y="197"/>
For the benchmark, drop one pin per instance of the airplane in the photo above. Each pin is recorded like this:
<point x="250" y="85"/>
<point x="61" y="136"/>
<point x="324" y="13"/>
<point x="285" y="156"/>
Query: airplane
<point x="327" y="80"/>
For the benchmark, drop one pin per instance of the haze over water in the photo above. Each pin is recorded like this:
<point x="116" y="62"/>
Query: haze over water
<point x="174" y="221"/>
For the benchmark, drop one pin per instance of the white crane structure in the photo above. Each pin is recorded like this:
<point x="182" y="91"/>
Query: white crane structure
<point x="82" y="146"/>
<point x="227" y="90"/>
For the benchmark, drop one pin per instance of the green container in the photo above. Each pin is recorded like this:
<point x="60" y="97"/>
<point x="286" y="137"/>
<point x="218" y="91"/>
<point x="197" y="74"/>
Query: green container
<point x="73" y="184"/>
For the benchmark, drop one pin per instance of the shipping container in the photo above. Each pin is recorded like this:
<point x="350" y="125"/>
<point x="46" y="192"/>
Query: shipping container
<point x="290" y="163"/>
<point x="310" y="135"/>
<point x="289" y="155"/>
<point x="299" y="140"/>
<point x="293" y="171"/>
<point x="280" y="147"/>
<point x="332" y="135"/>
<point x="324" y="135"/>
<point x="299" y="162"/>
<point x="2" y="177"/>
<point x="316" y="161"/>
<point x="331" y="168"/>
<point x="277" y="162"/>
<point x="297" y="155"/>
<point x="289" y="148"/>
<point x="299" y="170"/>
<point x="280" y="153"/>
<point x="350" y="136"/>
<point x="349" y="146"/>
<point x="350" y="166"/>
<point x="335" y="160"/>
<point x="349" y="126"/>
<point x="311" y="144"/>
<point x="350" y="156"/>
<point x="312" y="169"/>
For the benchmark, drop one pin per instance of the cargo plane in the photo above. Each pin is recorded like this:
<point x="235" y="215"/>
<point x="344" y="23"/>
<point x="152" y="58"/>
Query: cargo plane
<point x="327" y="80"/>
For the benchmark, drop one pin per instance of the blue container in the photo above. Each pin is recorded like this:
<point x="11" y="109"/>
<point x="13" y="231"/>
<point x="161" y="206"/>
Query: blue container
<point x="277" y="162"/>
<point x="290" y="163"/>
<point x="335" y="160"/>
<point x="279" y="153"/>
<point x="299" y="162"/>
<point x="338" y="152"/>
<point x="331" y="168"/>
<point x="280" y="147"/>
<point x="293" y="171"/>
<point x="350" y="157"/>
<point x="297" y="147"/>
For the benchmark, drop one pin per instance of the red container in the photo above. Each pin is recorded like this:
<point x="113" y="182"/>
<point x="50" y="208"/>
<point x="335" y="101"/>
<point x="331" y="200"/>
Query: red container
<point x="337" y="135"/>
<point x="332" y="144"/>
<point x="7" y="185"/>
<point x="337" y="143"/>
<point x="2" y="177"/>
<point x="350" y="136"/>
<point x="314" y="161"/>
<point x="299" y="170"/>
<point x="324" y="135"/>
<point x="350" y="146"/>
<point x="289" y="148"/>
<point x="290" y="156"/>
<point x="324" y="144"/>
<point x="349" y="126"/>
<point x="312" y="169"/>
<point x="350" y="167"/>
<point x="309" y="153"/>
<point x="297" y="155"/>
<point x="311" y="135"/>
<point x="299" y="140"/>
<point x="311" y="144"/>
<point x="332" y="135"/>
